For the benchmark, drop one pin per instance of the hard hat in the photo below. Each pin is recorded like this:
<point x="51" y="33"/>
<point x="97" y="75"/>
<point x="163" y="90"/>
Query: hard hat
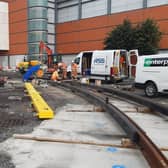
<point x="59" y="64"/>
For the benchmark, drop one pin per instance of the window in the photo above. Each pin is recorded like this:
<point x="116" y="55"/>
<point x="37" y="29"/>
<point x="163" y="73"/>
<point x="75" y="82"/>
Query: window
<point x="37" y="12"/>
<point x="77" y="60"/>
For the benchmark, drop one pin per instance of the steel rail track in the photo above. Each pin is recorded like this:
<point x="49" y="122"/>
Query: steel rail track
<point x="151" y="152"/>
<point x="163" y="110"/>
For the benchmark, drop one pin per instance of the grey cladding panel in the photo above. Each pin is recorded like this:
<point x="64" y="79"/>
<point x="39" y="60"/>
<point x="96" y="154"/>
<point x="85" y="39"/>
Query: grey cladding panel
<point x="151" y="3"/>
<point x="68" y="14"/>
<point x="125" y="5"/>
<point x="94" y="8"/>
<point x="67" y="3"/>
<point x="51" y="15"/>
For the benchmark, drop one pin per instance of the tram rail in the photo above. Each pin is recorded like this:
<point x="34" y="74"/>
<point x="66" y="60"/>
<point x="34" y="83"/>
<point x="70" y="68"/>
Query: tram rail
<point x="95" y="94"/>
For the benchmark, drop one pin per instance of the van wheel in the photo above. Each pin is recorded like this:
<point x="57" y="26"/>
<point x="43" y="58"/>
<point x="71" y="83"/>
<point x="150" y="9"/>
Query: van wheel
<point x="151" y="89"/>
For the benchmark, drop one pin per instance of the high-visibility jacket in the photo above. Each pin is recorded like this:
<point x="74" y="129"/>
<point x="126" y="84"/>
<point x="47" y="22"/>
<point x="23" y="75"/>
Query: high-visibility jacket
<point x="55" y="75"/>
<point x="122" y="59"/>
<point x="74" y="70"/>
<point x="63" y="67"/>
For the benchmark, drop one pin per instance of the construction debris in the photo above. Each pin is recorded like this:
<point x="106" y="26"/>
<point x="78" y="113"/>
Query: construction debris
<point x="2" y="81"/>
<point x="15" y="98"/>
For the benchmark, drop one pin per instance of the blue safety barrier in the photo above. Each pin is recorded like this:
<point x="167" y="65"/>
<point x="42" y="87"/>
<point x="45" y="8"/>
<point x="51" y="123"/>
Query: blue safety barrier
<point x="30" y="72"/>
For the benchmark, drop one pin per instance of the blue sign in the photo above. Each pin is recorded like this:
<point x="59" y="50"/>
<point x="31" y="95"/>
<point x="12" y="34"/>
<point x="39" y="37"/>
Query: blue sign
<point x="99" y="61"/>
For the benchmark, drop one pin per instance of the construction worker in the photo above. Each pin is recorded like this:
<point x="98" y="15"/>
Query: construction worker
<point x="55" y="76"/>
<point x="63" y="69"/>
<point x="122" y="65"/>
<point x="74" y="67"/>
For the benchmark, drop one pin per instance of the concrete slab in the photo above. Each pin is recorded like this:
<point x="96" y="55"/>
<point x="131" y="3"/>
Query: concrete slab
<point x="57" y="155"/>
<point x="124" y="106"/>
<point x="155" y="127"/>
<point x="93" y="127"/>
<point x="70" y="107"/>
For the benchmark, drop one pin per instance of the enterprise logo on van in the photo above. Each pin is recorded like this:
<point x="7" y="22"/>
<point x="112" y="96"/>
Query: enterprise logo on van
<point x="155" y="62"/>
<point x="99" y="61"/>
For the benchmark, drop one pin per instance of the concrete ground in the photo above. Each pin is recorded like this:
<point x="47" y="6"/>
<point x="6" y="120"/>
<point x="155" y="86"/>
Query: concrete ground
<point x="75" y="127"/>
<point x="16" y="114"/>
<point x="85" y="137"/>
<point x="155" y="126"/>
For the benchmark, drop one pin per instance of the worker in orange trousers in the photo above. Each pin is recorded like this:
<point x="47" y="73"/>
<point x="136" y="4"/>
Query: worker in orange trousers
<point x="55" y="76"/>
<point x="63" y="68"/>
<point x="74" y="67"/>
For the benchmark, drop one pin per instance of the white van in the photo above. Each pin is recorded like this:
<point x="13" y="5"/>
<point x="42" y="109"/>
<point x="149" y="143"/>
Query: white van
<point x="108" y="65"/>
<point x="152" y="74"/>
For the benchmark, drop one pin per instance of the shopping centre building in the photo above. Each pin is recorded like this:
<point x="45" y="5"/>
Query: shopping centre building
<point x="69" y="26"/>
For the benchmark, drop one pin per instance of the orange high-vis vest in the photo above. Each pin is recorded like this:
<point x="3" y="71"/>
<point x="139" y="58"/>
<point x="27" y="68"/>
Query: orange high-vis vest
<point x="122" y="59"/>
<point x="74" y="70"/>
<point x="54" y="76"/>
<point x="63" y="66"/>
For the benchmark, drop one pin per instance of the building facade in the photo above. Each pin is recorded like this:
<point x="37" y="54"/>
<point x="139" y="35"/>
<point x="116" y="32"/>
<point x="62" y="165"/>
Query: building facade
<point x="71" y="26"/>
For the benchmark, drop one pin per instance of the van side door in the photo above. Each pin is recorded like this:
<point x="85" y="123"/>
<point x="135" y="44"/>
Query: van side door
<point x="98" y="66"/>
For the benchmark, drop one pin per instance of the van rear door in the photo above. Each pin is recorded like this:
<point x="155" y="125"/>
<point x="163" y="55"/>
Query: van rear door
<point x="132" y="61"/>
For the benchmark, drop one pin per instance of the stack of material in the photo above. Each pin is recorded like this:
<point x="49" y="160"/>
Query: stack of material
<point x="84" y="80"/>
<point x="98" y="82"/>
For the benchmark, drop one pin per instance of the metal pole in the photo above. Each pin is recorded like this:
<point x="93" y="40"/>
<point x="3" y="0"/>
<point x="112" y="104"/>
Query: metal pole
<point x="108" y="7"/>
<point x="79" y="9"/>
<point x="145" y="2"/>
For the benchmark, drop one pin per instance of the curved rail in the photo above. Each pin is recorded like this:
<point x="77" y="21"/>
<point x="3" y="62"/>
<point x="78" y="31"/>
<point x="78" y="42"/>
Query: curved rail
<point x="152" y="154"/>
<point x="163" y="110"/>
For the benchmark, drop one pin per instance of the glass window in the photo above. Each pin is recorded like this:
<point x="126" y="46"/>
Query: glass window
<point x="37" y="36"/>
<point x="37" y="12"/>
<point x="37" y="25"/>
<point x="37" y="3"/>
<point x="77" y="60"/>
<point x="33" y="48"/>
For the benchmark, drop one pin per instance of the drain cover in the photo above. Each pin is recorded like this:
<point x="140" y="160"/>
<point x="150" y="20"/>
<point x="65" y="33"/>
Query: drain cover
<point x="6" y="164"/>
<point x="11" y="123"/>
<point x="5" y="161"/>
